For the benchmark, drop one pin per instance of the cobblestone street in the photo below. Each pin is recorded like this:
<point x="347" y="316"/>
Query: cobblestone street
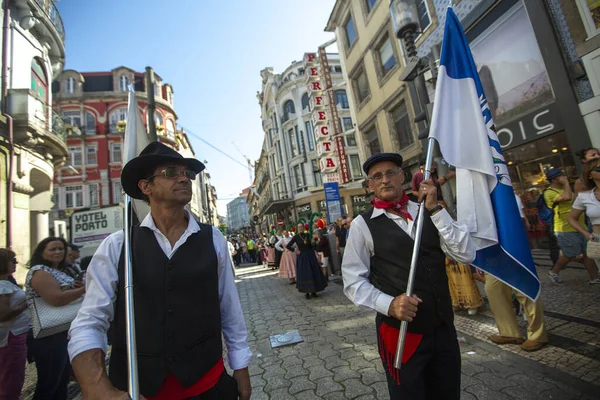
<point x="338" y="358"/>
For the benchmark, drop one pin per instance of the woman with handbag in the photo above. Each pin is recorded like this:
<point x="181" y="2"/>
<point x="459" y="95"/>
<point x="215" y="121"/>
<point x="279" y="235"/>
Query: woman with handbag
<point x="588" y="201"/>
<point x="14" y="324"/>
<point x="47" y="284"/>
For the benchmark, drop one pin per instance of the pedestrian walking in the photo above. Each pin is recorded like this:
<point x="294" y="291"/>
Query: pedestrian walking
<point x="46" y="279"/>
<point x="15" y="320"/>
<point x="375" y="271"/>
<point x="185" y="297"/>
<point x="571" y="242"/>
<point x="310" y="279"/>
<point x="588" y="201"/>
<point x="287" y="265"/>
<point x="251" y="253"/>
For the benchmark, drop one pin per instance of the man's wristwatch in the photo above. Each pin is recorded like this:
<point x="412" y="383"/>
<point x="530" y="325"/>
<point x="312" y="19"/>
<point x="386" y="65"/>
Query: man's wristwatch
<point x="435" y="209"/>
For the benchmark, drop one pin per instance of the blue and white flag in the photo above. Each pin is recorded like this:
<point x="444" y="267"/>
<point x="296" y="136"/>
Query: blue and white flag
<point x="463" y="126"/>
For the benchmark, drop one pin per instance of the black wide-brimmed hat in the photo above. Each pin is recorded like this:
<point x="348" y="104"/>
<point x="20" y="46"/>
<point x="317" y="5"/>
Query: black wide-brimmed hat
<point x="379" y="157"/>
<point x="142" y="166"/>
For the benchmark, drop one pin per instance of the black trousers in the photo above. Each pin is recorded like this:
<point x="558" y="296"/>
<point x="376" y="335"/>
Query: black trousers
<point x="552" y="244"/>
<point x="52" y="364"/>
<point x="433" y="372"/>
<point x="225" y="389"/>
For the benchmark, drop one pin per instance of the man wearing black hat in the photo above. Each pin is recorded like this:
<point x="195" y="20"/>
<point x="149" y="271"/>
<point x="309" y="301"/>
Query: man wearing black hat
<point x="184" y="295"/>
<point x="375" y="270"/>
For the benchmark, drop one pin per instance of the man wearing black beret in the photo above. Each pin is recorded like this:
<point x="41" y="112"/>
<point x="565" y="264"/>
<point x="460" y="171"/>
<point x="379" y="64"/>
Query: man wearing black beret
<point x="375" y="270"/>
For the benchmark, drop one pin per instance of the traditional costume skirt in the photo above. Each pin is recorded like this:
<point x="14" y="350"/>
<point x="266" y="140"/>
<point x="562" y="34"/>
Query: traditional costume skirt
<point x="271" y="256"/>
<point x="287" y="266"/>
<point x="310" y="277"/>
<point x="463" y="288"/>
<point x="264" y="253"/>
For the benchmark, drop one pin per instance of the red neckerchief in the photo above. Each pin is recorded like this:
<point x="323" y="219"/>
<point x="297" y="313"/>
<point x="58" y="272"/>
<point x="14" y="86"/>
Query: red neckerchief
<point x="399" y="206"/>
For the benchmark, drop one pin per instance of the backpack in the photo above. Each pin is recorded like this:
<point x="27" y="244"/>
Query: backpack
<point x="545" y="213"/>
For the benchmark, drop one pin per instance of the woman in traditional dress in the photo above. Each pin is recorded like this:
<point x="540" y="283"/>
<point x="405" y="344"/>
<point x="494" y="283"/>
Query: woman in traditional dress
<point x="270" y="244"/>
<point x="287" y="265"/>
<point x="310" y="278"/>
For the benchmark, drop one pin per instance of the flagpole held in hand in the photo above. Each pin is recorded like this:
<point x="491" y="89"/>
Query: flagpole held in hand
<point x="415" y="256"/>
<point x="132" y="370"/>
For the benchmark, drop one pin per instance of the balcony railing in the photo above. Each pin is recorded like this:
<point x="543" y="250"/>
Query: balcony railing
<point x="58" y="127"/>
<point x="53" y="15"/>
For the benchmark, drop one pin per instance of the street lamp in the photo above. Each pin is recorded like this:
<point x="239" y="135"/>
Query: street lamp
<point x="406" y="23"/>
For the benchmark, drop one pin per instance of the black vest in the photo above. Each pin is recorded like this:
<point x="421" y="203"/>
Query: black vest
<point x="390" y="266"/>
<point x="177" y="312"/>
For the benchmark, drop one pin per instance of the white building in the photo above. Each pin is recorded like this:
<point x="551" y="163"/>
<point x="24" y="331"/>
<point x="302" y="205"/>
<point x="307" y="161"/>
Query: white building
<point x="237" y="213"/>
<point x="35" y="55"/>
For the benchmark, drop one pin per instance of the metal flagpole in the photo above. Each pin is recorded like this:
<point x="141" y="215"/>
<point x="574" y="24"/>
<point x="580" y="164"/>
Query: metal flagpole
<point x="415" y="256"/>
<point x="132" y="370"/>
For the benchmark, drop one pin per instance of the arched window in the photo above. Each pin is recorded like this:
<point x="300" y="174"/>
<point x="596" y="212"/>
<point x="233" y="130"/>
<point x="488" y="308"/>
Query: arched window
<point x="39" y="82"/>
<point x="70" y="85"/>
<point x="90" y="124"/>
<point x="158" y="119"/>
<point x="305" y="101"/>
<point x="116" y="116"/>
<point x="341" y="98"/>
<point x="170" y="129"/>
<point x="123" y="83"/>
<point x="288" y="108"/>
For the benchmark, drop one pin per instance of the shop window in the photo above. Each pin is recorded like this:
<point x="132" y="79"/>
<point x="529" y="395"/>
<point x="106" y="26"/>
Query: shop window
<point x="74" y="196"/>
<point x="350" y="30"/>
<point x="361" y="86"/>
<point x="402" y="129"/>
<point x="75" y="156"/>
<point x="93" y="192"/>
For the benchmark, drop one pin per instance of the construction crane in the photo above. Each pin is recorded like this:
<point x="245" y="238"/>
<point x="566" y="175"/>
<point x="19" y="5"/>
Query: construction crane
<point x="250" y="166"/>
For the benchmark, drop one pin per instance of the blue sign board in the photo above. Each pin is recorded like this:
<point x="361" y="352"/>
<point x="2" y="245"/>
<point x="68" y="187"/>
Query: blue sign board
<point x="333" y="201"/>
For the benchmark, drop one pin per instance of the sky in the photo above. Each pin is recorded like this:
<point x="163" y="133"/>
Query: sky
<point x="211" y="52"/>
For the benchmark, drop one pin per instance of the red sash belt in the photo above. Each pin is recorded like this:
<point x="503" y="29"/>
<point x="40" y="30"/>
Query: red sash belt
<point x="389" y="343"/>
<point x="172" y="389"/>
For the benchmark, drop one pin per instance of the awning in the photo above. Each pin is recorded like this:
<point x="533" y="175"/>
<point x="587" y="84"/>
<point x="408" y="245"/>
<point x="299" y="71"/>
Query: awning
<point x="276" y="206"/>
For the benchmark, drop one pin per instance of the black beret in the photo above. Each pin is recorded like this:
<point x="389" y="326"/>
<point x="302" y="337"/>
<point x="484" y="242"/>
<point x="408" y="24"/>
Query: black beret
<point x="379" y="157"/>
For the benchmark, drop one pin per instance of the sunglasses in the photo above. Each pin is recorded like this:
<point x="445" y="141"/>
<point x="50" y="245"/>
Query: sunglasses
<point x="174" y="172"/>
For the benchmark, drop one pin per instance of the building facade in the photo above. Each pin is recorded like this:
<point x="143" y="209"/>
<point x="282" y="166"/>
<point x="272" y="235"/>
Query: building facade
<point x="292" y="183"/>
<point x="238" y="219"/>
<point x="528" y="56"/>
<point x="93" y="107"/>
<point x="32" y="142"/>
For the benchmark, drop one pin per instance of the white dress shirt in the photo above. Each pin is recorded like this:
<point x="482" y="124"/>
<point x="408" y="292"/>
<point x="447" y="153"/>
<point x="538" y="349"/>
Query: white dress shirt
<point x="455" y="242"/>
<point x="282" y="243"/>
<point x="88" y="330"/>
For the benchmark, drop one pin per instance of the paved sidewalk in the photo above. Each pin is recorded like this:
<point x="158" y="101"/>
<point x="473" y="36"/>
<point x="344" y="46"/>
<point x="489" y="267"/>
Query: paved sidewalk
<point x="338" y="358"/>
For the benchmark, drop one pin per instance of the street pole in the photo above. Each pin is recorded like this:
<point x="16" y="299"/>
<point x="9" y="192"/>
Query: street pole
<point x="151" y="104"/>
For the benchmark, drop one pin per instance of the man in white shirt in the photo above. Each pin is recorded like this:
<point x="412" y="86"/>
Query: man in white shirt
<point x="184" y="295"/>
<point x="375" y="270"/>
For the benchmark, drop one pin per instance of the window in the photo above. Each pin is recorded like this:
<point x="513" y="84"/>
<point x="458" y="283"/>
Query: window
<point x="90" y="124"/>
<point x="317" y="173"/>
<point x="75" y="156"/>
<point x="385" y="57"/>
<point x="117" y="192"/>
<point x="423" y="13"/>
<point x="294" y="150"/>
<point x="370" y="4"/>
<point x="273" y="166"/>
<point x="123" y="83"/>
<point x="354" y="165"/>
<point x="94" y="198"/>
<point x="117" y="115"/>
<point x="300" y="137"/>
<point x="350" y="140"/>
<point x="170" y="129"/>
<point x="55" y="198"/>
<point x="115" y="152"/>
<point x="590" y="14"/>
<point x="341" y="98"/>
<point x="350" y="30"/>
<point x="39" y="82"/>
<point x="288" y="108"/>
<point x="337" y="69"/>
<point x="270" y="135"/>
<point x="91" y="157"/>
<point x="301" y="71"/>
<point x="347" y="124"/>
<point x="279" y="155"/>
<point x="299" y="176"/>
<point x="361" y="86"/>
<point x="373" y="140"/>
<point x="278" y="192"/>
<point x="305" y="102"/>
<point x="402" y="128"/>
<point x="310" y="135"/>
<point x="72" y="118"/>
<point x="70" y="85"/>
<point x="157" y="91"/>
<point x="73" y="196"/>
